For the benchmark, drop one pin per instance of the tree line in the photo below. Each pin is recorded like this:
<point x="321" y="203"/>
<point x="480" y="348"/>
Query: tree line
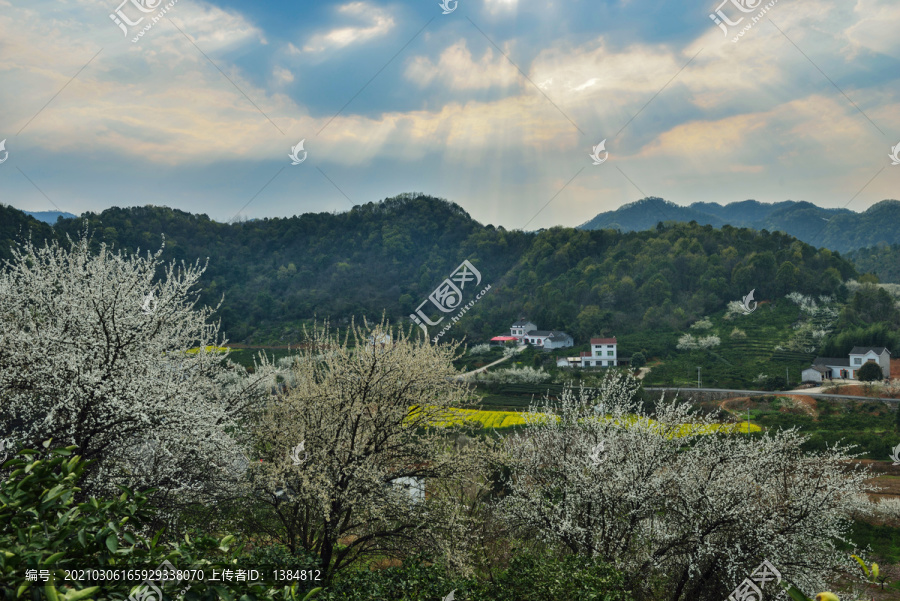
<point x="387" y="257"/>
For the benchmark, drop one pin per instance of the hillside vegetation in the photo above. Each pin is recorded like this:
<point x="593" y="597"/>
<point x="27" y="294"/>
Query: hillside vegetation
<point x="882" y="260"/>
<point x="389" y="256"/>
<point x="277" y="274"/>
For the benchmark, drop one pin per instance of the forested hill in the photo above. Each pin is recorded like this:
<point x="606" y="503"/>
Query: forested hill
<point x="838" y="229"/>
<point x="882" y="260"/>
<point x="15" y="225"/>
<point x="389" y="256"/>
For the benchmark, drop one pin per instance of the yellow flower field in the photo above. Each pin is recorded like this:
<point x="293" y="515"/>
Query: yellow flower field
<point x="505" y="419"/>
<point x="209" y="349"/>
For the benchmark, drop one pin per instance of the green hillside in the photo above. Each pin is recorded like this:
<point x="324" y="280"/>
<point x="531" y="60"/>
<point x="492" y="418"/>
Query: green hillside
<point x="882" y="260"/>
<point x="386" y="258"/>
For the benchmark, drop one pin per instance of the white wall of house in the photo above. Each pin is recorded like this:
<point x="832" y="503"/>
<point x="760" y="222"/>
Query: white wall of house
<point x="811" y="375"/>
<point x="883" y="360"/>
<point x="606" y="353"/>
<point x="841" y="371"/>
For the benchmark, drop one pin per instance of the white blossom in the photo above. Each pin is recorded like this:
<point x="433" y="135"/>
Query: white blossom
<point x="672" y="501"/>
<point x="366" y="418"/>
<point x="82" y="361"/>
<point x="514" y="375"/>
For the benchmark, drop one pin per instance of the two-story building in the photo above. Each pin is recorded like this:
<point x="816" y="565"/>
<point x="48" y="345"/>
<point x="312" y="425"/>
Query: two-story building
<point x="839" y="367"/>
<point x="860" y="355"/>
<point x="520" y="328"/>
<point x="604" y="353"/>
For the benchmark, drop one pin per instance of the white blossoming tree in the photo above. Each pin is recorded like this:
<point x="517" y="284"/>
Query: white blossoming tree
<point x="686" y="514"/>
<point x="349" y="463"/>
<point x="93" y="354"/>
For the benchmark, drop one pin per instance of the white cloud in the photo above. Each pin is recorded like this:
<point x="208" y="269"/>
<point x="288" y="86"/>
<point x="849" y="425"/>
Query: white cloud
<point x="496" y="6"/>
<point x="876" y="28"/>
<point x="457" y="71"/>
<point x="378" y="24"/>
<point x="282" y="76"/>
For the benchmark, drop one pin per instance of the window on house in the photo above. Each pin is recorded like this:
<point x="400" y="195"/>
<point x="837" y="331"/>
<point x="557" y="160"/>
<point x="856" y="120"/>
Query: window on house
<point x="857" y="361"/>
<point x="610" y="353"/>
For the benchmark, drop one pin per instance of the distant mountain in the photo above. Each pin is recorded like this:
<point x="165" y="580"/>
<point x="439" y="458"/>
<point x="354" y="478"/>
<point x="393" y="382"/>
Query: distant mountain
<point x="645" y="214"/>
<point x="875" y="226"/>
<point x="837" y="229"/>
<point x="49" y="216"/>
<point x="746" y="211"/>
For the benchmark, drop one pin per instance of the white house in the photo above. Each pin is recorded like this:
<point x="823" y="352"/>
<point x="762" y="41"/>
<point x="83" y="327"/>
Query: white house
<point x="520" y="328"/>
<point x="604" y="353"/>
<point x="838" y="367"/>
<point x="549" y="339"/>
<point x="860" y="355"/>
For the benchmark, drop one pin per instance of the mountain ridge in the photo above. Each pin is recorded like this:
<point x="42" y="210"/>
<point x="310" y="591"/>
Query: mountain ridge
<point x="393" y="257"/>
<point x="840" y="229"/>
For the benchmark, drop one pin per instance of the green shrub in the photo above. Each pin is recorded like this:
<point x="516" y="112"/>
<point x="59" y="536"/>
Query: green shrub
<point x="534" y="577"/>
<point x="638" y="360"/>
<point x="42" y="528"/>
<point x="870" y="372"/>
<point x="529" y="577"/>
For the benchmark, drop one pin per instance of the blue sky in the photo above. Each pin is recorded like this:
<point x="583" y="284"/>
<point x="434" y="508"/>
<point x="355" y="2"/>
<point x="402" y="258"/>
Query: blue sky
<point x="201" y="112"/>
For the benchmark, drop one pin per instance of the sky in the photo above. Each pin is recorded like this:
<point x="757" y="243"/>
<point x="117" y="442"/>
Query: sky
<point x="496" y="105"/>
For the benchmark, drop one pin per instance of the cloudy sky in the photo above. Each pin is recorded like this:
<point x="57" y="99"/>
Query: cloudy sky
<point x="496" y="105"/>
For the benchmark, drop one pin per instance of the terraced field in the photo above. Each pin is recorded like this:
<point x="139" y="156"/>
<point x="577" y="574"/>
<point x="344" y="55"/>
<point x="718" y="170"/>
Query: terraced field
<point x="738" y="360"/>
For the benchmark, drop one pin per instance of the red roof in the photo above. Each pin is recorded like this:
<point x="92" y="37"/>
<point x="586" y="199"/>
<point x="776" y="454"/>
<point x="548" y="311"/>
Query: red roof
<point x="503" y="338"/>
<point x="603" y="340"/>
<point x="585" y="354"/>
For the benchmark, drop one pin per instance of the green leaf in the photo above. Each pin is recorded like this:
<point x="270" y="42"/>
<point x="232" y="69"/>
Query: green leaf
<point x="82" y="538"/>
<point x="50" y="592"/>
<point x="312" y="593"/>
<point x="111" y="543"/>
<point x="55" y="492"/>
<point x="52" y="559"/>
<point x="82" y="594"/>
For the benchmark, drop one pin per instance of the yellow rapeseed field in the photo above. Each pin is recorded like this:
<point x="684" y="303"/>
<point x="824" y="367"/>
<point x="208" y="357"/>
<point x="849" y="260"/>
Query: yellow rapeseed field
<point x="505" y="419"/>
<point x="209" y="349"/>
